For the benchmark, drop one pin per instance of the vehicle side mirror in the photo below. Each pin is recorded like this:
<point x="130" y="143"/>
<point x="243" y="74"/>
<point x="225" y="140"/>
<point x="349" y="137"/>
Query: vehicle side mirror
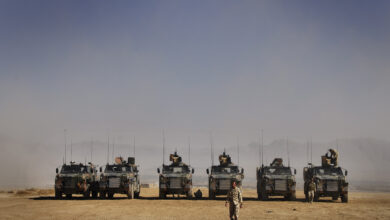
<point x="242" y="170"/>
<point x="295" y="171"/>
<point x="207" y="171"/>
<point x="158" y="170"/>
<point x="346" y="173"/>
<point x="193" y="170"/>
<point x="100" y="169"/>
<point x="56" y="170"/>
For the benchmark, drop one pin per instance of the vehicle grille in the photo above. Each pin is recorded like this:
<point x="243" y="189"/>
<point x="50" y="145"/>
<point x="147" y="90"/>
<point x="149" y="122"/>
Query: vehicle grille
<point x="69" y="182"/>
<point x="224" y="184"/>
<point x="175" y="183"/>
<point x="280" y="185"/>
<point x="332" y="186"/>
<point x="114" y="182"/>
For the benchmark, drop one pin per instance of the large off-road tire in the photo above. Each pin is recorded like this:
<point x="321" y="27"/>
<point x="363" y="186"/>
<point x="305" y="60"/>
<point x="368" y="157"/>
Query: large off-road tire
<point x="58" y="194"/>
<point x="162" y="195"/>
<point x="292" y="196"/>
<point x="94" y="194"/>
<point x="130" y="193"/>
<point x="211" y="195"/>
<point x="102" y="194"/>
<point x="87" y="194"/>
<point x="189" y="194"/>
<point x="344" y="198"/>
<point x="264" y="196"/>
<point x="316" y="197"/>
<point x="68" y="196"/>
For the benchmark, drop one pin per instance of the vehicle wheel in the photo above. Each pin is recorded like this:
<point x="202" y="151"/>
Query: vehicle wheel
<point x="58" y="194"/>
<point x="110" y="195"/>
<point x="68" y="196"/>
<point x="162" y="195"/>
<point x="264" y="196"/>
<point x="87" y="194"/>
<point x="189" y="194"/>
<point x="316" y="197"/>
<point x="344" y="198"/>
<point x="293" y="196"/>
<point x="94" y="194"/>
<point x="211" y="195"/>
<point x="130" y="193"/>
<point x="102" y="195"/>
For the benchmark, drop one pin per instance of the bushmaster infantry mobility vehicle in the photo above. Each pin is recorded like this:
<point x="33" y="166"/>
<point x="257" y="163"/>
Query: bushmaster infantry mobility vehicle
<point x="121" y="177"/>
<point x="175" y="178"/>
<point x="222" y="176"/>
<point x="276" y="180"/>
<point x="329" y="178"/>
<point x="76" y="179"/>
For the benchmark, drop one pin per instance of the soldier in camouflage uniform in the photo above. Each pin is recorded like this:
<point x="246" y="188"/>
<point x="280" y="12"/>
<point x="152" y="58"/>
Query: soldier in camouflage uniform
<point x="234" y="198"/>
<point x="311" y="190"/>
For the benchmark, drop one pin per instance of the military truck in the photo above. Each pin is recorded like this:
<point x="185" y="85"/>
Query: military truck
<point x="222" y="176"/>
<point x="329" y="178"/>
<point x="76" y="178"/>
<point x="276" y="180"/>
<point x="121" y="177"/>
<point x="175" y="178"/>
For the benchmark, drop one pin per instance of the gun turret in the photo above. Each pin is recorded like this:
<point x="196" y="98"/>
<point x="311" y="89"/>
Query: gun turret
<point x="225" y="159"/>
<point x="330" y="158"/>
<point x="277" y="162"/>
<point x="175" y="158"/>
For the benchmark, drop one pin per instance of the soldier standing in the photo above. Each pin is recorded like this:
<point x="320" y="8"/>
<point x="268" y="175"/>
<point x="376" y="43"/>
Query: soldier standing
<point x="311" y="190"/>
<point x="234" y="198"/>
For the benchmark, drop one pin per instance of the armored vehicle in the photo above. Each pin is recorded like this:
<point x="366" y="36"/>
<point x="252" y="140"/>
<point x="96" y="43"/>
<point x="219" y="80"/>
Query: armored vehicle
<point x="76" y="179"/>
<point x="175" y="178"/>
<point x="276" y="180"/>
<point x="329" y="178"/>
<point x="222" y="176"/>
<point x="121" y="177"/>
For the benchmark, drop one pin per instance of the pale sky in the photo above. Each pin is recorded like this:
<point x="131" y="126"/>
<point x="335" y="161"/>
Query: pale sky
<point x="296" y="69"/>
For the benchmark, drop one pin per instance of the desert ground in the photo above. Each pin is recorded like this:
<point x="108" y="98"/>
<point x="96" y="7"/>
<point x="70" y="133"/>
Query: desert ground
<point x="40" y="204"/>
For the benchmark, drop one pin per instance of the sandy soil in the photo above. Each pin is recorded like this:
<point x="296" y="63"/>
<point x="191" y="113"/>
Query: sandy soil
<point x="40" y="204"/>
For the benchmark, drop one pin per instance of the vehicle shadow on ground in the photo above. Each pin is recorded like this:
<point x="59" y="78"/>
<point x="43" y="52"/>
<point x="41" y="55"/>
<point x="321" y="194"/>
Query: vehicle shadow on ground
<point x="73" y="198"/>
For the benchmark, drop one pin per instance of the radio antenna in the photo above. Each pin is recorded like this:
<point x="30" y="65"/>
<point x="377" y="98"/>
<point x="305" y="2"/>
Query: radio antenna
<point x="71" y="148"/>
<point x="311" y="150"/>
<point x="212" y="149"/>
<point x="65" y="145"/>
<point x="113" y="149"/>
<point x="238" y="151"/>
<point x="262" y="147"/>
<point x="189" y="151"/>
<point x="108" y="149"/>
<point x="134" y="146"/>
<point x="163" y="159"/>
<point x="288" y="154"/>
<point x="91" y="148"/>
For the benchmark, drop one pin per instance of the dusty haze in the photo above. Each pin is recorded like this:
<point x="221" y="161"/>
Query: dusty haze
<point x="302" y="70"/>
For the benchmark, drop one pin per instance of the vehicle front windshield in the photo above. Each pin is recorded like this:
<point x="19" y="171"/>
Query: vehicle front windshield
<point x="278" y="171"/>
<point x="231" y="169"/>
<point x="74" y="169"/>
<point x="173" y="169"/>
<point x="117" y="169"/>
<point x="329" y="171"/>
